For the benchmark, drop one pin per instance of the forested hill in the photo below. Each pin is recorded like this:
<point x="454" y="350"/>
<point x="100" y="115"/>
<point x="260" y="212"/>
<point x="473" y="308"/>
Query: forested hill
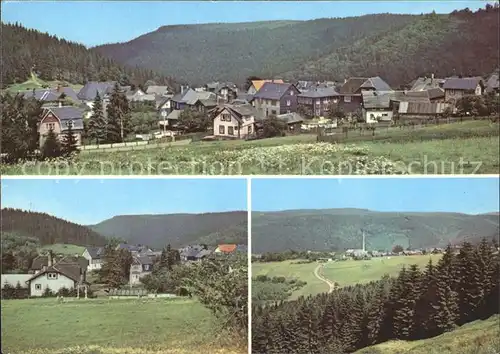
<point x="177" y="229"/>
<point x="396" y="47"/>
<point x="26" y="50"/>
<point x="48" y="229"/>
<point x="338" y="229"/>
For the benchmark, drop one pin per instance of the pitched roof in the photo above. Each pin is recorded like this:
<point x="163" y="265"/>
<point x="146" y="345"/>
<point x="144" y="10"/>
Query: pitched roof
<point x="226" y="248"/>
<point x="273" y="91"/>
<point x="67" y="114"/>
<point x="82" y="262"/>
<point x="126" y="246"/>
<point x="90" y="90"/>
<point x="175" y="114"/>
<point x="426" y="83"/>
<point x="290" y="118"/>
<point x="191" y="96"/>
<point x="435" y="93"/>
<point x="51" y="94"/>
<point x="468" y="83"/>
<point x="144" y="259"/>
<point x="39" y="262"/>
<point x="203" y="253"/>
<point x="71" y="271"/>
<point x="257" y="84"/>
<point x="159" y="90"/>
<point x="492" y="83"/>
<point x="96" y="252"/>
<point x="355" y="84"/>
<point x="422" y="108"/>
<point x="238" y="110"/>
<point x="319" y="92"/>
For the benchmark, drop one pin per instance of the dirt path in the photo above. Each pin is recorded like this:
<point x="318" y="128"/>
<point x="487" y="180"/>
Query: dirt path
<point x="317" y="274"/>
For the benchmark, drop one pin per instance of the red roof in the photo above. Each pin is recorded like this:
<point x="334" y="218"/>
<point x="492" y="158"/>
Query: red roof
<point x="227" y="248"/>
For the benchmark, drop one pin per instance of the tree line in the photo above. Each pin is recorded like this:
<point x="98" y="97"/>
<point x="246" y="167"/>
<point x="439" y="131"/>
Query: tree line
<point x="417" y="304"/>
<point x="27" y="50"/>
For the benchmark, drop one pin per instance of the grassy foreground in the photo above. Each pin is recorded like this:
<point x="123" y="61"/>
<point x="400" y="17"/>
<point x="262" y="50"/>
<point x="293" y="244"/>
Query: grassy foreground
<point x="470" y="147"/>
<point x="478" y="337"/>
<point x="343" y="272"/>
<point x="95" y="326"/>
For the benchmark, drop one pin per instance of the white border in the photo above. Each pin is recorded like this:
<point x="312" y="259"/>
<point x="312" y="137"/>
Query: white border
<point x="249" y="255"/>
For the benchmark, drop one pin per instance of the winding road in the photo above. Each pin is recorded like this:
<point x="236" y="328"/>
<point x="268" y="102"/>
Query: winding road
<point x="317" y="271"/>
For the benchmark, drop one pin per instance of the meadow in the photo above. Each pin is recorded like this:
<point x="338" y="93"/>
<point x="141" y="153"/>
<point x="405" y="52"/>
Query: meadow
<point x="455" y="148"/>
<point x="61" y="248"/>
<point x="343" y="273"/>
<point x="478" y="337"/>
<point x="102" y="326"/>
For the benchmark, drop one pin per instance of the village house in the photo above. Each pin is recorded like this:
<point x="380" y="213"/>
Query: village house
<point x="293" y="121"/>
<point x="90" y="90"/>
<point x="94" y="255"/>
<point x="275" y="98"/>
<point x="317" y="101"/>
<point x="53" y="96"/>
<point x="227" y="91"/>
<point x="194" y="253"/>
<point x="57" y="276"/>
<point x="58" y="119"/>
<point x="138" y="95"/>
<point x="456" y="88"/>
<point x="257" y="85"/>
<point x="189" y="98"/>
<point x="235" y="121"/>
<point x="141" y="265"/>
<point x="350" y="93"/>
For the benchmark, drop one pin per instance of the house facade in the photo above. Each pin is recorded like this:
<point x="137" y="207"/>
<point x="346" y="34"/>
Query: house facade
<point x="94" y="256"/>
<point x="51" y="278"/>
<point x="274" y="98"/>
<point x="317" y="101"/>
<point x="141" y="265"/>
<point x="58" y="120"/>
<point x="350" y="93"/>
<point x="235" y="121"/>
<point x="456" y="88"/>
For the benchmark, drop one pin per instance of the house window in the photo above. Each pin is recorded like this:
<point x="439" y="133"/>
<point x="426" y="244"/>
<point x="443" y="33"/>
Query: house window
<point x="226" y="117"/>
<point x="291" y="93"/>
<point x="249" y="129"/>
<point x="50" y="126"/>
<point x="347" y="98"/>
<point x="38" y="286"/>
<point x="318" y="102"/>
<point x="222" y="129"/>
<point x="230" y="130"/>
<point x="288" y="103"/>
<point x="52" y="275"/>
<point x="273" y="112"/>
<point x="146" y="266"/>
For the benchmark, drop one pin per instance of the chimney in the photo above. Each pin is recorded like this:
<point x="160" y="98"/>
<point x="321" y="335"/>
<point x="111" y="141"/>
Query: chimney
<point x="49" y="262"/>
<point x="59" y="88"/>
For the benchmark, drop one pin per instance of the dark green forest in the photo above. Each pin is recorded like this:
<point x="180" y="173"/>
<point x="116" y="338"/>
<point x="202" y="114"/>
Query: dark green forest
<point x="177" y="229"/>
<point x="340" y="229"/>
<point x="460" y="288"/>
<point x="397" y="47"/>
<point x="27" y="50"/>
<point x="48" y="229"/>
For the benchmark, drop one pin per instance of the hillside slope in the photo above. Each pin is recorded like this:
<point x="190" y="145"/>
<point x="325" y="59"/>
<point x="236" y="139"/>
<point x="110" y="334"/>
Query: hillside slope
<point x="396" y="47"/>
<point x="235" y="51"/>
<point x="338" y="229"/>
<point x="26" y="50"/>
<point x="47" y="229"/>
<point x="478" y="337"/>
<point x="463" y="43"/>
<point x="177" y="229"/>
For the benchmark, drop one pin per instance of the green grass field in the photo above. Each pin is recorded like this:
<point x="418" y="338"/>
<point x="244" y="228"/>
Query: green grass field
<point x="457" y="148"/>
<point x="60" y="248"/>
<point x="102" y="326"/>
<point x="343" y="272"/>
<point x="36" y="83"/>
<point x="478" y="337"/>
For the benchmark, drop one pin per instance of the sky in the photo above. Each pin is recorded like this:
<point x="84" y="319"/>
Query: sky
<point x="89" y="201"/>
<point x="100" y="22"/>
<point x="461" y="195"/>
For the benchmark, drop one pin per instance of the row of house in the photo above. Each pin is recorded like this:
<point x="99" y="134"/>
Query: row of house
<point x="237" y="113"/>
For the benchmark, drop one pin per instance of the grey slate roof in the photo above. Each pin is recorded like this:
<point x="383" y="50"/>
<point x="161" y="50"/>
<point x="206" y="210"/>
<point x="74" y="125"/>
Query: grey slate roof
<point x="354" y="84"/>
<point x="90" y="90"/>
<point x="158" y="90"/>
<point x="376" y="83"/>
<point x="469" y="83"/>
<point x="52" y="94"/>
<point x="143" y="259"/>
<point x="191" y="96"/>
<point x="319" y="92"/>
<point x="272" y="90"/>
<point x="175" y="114"/>
<point x="67" y="114"/>
<point x="426" y="83"/>
<point x="422" y="108"/>
<point x="382" y="99"/>
<point x="96" y="252"/>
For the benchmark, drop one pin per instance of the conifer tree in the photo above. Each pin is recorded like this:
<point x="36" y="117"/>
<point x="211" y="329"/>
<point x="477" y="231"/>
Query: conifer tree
<point x="51" y="147"/>
<point x="470" y="285"/>
<point x="69" y="144"/>
<point x="97" y="121"/>
<point x="118" y="115"/>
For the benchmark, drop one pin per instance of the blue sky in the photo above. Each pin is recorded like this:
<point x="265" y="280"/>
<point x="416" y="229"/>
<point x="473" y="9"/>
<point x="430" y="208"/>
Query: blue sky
<point x="89" y="201"/>
<point x="464" y="195"/>
<point x="100" y="22"/>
